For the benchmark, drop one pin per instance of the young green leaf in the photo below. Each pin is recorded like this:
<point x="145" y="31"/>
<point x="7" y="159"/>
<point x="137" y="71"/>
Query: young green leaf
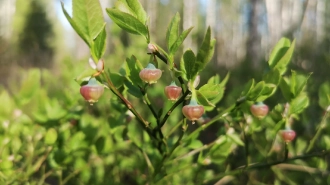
<point x="285" y="88"/>
<point x="324" y="95"/>
<point x="205" y="53"/>
<point x="98" y="46"/>
<point x="180" y="40"/>
<point x="267" y="91"/>
<point x="123" y="6"/>
<point x="76" y="27"/>
<point x="189" y="63"/>
<point x="298" y="104"/>
<point x="279" y="50"/>
<point x="236" y="139"/>
<point x="248" y="87"/>
<point x="128" y="22"/>
<point x="88" y="15"/>
<point x="87" y="19"/>
<point x="298" y="82"/>
<point x="117" y="79"/>
<point x="273" y="77"/>
<point x="202" y="100"/>
<point x="137" y="8"/>
<point x="225" y="80"/>
<point x="172" y="33"/>
<point x="256" y="91"/>
<point x="133" y="68"/>
<point x="84" y="76"/>
<point x="285" y="59"/>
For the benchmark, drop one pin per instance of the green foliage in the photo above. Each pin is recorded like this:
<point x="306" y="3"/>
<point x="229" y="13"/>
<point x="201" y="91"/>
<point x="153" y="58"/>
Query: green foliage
<point x="281" y="55"/>
<point x="49" y="133"/>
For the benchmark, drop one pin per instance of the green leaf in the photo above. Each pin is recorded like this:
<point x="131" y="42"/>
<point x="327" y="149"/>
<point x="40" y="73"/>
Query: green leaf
<point x="180" y="40"/>
<point x="132" y="89"/>
<point x="128" y="22"/>
<point x="248" y="87"/>
<point x="285" y="88"/>
<point x="87" y="19"/>
<point x="132" y="69"/>
<point x="285" y="59"/>
<point x="123" y="6"/>
<point x="211" y="93"/>
<point x="273" y="77"/>
<point x="204" y="101"/>
<point x="298" y="82"/>
<point x="205" y="53"/>
<point x="137" y="8"/>
<point x="236" y="139"/>
<point x="324" y="95"/>
<point x="267" y="91"/>
<point x="84" y="76"/>
<point x="279" y="50"/>
<point x="98" y="47"/>
<point x="51" y="136"/>
<point x="298" y="104"/>
<point x="117" y="79"/>
<point x="132" y="7"/>
<point x="194" y="144"/>
<point x="256" y="91"/>
<point x="76" y="27"/>
<point x="172" y="33"/>
<point x="225" y="80"/>
<point x="214" y="80"/>
<point x="189" y="63"/>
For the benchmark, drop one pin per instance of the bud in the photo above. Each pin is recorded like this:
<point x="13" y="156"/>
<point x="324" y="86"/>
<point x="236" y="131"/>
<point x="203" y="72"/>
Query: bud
<point x="92" y="91"/>
<point x="193" y="111"/>
<point x="152" y="49"/>
<point x="150" y="74"/>
<point x="259" y="110"/>
<point x="173" y="91"/>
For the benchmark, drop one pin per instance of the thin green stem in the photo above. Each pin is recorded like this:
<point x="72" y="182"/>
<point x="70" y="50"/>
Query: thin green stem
<point x="246" y="147"/>
<point x="318" y="132"/>
<point x="174" y="128"/>
<point x="164" y="59"/>
<point x="168" y="155"/>
<point x="167" y="115"/>
<point x="193" y="152"/>
<point x="213" y="120"/>
<point x="144" y="124"/>
<point x="286" y="152"/>
<point x="154" y="113"/>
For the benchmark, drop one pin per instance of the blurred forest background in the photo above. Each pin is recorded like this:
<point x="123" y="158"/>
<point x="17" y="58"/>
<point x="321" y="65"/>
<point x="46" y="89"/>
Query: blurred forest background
<point x="34" y="33"/>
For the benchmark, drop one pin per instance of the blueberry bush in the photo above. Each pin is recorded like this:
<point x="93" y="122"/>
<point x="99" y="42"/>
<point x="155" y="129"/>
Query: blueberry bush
<point x="146" y="122"/>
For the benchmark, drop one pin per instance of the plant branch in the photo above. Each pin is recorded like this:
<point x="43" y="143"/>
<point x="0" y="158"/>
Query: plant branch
<point x="267" y="164"/>
<point x="286" y="152"/>
<point x="246" y="147"/>
<point x="144" y="124"/>
<point x="172" y="108"/>
<point x="193" y="152"/>
<point x="147" y="101"/>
